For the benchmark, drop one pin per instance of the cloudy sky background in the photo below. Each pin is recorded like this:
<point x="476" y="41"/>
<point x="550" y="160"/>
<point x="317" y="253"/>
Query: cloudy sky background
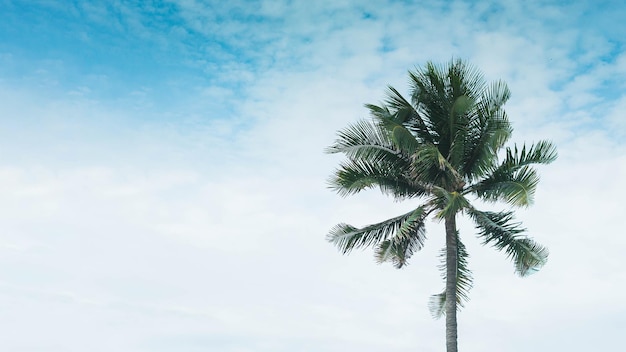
<point x="162" y="176"/>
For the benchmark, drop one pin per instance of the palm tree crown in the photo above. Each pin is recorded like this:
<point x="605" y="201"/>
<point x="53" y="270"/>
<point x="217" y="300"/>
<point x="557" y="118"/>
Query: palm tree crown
<point x="444" y="146"/>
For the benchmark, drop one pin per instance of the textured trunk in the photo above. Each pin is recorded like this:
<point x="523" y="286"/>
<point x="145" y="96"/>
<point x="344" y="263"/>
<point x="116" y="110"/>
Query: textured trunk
<point x="451" y="273"/>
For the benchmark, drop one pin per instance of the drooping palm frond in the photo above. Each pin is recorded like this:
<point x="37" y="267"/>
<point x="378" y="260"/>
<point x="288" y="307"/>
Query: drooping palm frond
<point x="409" y="239"/>
<point x="437" y="304"/>
<point x="514" y="181"/>
<point x="396" y="230"/>
<point x="464" y="282"/>
<point x="499" y="230"/>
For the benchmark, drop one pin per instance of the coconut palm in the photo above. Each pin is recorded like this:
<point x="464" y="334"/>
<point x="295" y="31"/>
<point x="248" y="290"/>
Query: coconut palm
<point x="446" y="148"/>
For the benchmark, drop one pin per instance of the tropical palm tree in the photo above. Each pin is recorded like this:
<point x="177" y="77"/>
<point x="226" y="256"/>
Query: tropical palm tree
<point x="444" y="147"/>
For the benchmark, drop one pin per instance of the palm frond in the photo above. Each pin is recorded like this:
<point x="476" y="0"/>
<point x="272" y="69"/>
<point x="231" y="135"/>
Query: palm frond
<point x="514" y="181"/>
<point x="428" y="95"/>
<point x="366" y="141"/>
<point x="499" y="230"/>
<point x="543" y="152"/>
<point x="465" y="79"/>
<point x="516" y="189"/>
<point x="437" y="305"/>
<point x="407" y="115"/>
<point x="430" y="166"/>
<point x="358" y="134"/>
<point x="464" y="282"/>
<point x="496" y="96"/>
<point x="487" y="134"/>
<point x="460" y="117"/>
<point x="395" y="100"/>
<point x="403" y="140"/>
<point x="353" y="176"/>
<point x="446" y="95"/>
<point x="409" y="239"/>
<point x="348" y="238"/>
<point x="379" y="112"/>
<point x="448" y="203"/>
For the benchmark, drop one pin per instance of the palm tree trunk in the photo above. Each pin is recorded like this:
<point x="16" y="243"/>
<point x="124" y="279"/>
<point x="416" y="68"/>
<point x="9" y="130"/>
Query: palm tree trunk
<point x="451" y="278"/>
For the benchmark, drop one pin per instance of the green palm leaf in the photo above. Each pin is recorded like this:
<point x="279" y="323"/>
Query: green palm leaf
<point x="487" y="132"/>
<point x="347" y="237"/>
<point x="429" y="164"/>
<point x="353" y="176"/>
<point x="367" y="141"/>
<point x="448" y="203"/>
<point x="464" y="282"/>
<point x="361" y="139"/>
<point x="408" y="240"/>
<point x="406" y="114"/>
<point x="499" y="230"/>
<point x="514" y="181"/>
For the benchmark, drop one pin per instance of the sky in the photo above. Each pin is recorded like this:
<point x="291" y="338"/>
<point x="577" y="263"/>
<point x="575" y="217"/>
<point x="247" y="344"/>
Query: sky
<point x="163" y="181"/>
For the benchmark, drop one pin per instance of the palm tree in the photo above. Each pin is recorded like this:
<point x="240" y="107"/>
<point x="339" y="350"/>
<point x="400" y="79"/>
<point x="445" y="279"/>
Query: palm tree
<point x="444" y="147"/>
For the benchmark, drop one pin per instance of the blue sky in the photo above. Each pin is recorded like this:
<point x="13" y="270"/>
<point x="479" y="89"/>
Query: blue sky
<point x="162" y="184"/>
